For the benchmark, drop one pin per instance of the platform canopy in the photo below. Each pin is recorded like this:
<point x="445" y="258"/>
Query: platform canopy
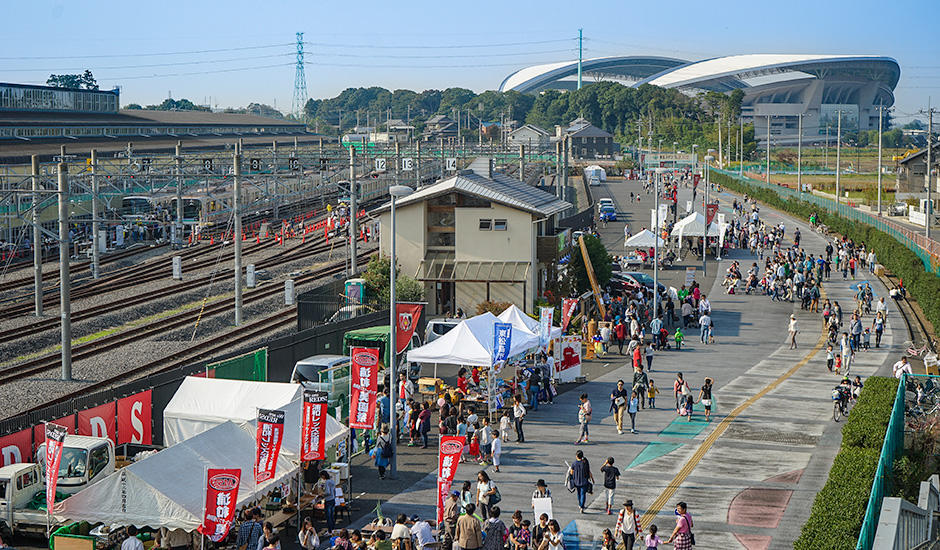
<point x="644" y="239"/>
<point x="168" y="489"/>
<point x="471" y="343"/>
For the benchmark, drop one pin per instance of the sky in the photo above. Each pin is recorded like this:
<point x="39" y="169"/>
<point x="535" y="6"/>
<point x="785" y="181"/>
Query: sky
<point x="232" y="53"/>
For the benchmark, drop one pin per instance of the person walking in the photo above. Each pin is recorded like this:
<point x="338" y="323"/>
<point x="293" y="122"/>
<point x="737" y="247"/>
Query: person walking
<point x="649" y="353"/>
<point x="631" y="410"/>
<point x="878" y="325"/>
<point x="468" y="534"/>
<point x="705" y="397"/>
<point x="382" y="452"/>
<point x="611" y="475"/>
<point x="618" y="404"/>
<point x="518" y="413"/>
<point x="680" y="388"/>
<point x="580" y="478"/>
<point x="792" y="330"/>
<point x="494" y="530"/>
<point x="682" y="534"/>
<point x="640" y="383"/>
<point x="620" y="332"/>
<point x="584" y="418"/>
<point x="705" y="324"/>
<point x="485" y="491"/>
<point x="628" y="525"/>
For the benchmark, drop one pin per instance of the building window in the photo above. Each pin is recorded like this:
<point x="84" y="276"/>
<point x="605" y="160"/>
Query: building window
<point x="499" y="225"/>
<point x="486" y="225"/>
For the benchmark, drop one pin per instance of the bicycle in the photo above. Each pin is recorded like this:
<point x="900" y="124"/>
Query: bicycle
<point x="917" y="352"/>
<point x="840" y="407"/>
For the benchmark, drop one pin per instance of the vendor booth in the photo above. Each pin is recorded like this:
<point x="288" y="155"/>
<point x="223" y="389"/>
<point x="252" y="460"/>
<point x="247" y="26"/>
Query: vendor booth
<point x="202" y="403"/>
<point x="693" y="225"/>
<point x="168" y="489"/>
<point x="644" y="239"/>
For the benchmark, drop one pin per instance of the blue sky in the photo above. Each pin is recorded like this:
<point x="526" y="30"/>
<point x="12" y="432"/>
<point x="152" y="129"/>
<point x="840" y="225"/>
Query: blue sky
<point x="431" y="44"/>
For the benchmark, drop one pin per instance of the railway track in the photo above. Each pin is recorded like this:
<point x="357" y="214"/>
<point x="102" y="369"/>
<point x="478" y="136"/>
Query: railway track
<point x="89" y="349"/>
<point x="295" y="253"/>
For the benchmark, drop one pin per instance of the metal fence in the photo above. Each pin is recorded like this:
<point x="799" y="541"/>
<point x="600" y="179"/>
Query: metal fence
<point x="891" y="450"/>
<point x="928" y="250"/>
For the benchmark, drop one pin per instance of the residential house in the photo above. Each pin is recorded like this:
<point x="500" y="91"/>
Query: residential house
<point x="531" y="136"/>
<point x="439" y="126"/>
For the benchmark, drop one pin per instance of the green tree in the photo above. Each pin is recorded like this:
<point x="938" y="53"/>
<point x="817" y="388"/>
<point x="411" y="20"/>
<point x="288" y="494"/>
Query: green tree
<point x="85" y="80"/>
<point x="600" y="260"/>
<point x="88" y="80"/>
<point x="133" y="107"/>
<point x="376" y="276"/>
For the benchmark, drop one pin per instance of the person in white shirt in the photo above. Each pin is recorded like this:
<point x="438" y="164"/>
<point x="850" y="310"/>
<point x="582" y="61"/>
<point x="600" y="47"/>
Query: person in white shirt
<point x="792" y="329"/>
<point x="704" y="306"/>
<point x="518" y="413"/>
<point x="132" y="542"/>
<point x="901" y="367"/>
<point x="421" y="531"/>
<point x="406" y="389"/>
<point x="496" y="449"/>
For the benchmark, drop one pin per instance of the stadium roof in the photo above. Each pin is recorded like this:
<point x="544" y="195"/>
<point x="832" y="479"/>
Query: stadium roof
<point x="537" y="77"/>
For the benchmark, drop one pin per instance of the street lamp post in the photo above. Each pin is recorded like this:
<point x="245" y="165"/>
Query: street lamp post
<point x="396" y="192"/>
<point x="694" y="168"/>
<point x="656" y="232"/>
<point x="660" y="149"/>
<point x="708" y="158"/>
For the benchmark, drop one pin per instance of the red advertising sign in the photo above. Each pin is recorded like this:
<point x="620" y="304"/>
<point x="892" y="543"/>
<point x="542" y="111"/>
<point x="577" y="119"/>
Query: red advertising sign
<point x="55" y="437"/>
<point x="695" y="180"/>
<point x="567" y="308"/>
<point x="269" y="436"/>
<point x="134" y="419"/>
<point x="447" y="459"/>
<point x="16" y="447"/>
<point x="39" y="430"/>
<point x="99" y="421"/>
<point x="405" y="323"/>
<point x="363" y="385"/>
<point x="313" y="426"/>
<point x="221" y="499"/>
<point x="710" y="211"/>
<point x="570" y="354"/>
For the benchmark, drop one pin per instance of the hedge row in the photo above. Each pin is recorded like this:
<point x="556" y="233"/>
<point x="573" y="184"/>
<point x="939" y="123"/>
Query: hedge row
<point x="839" y="508"/>
<point x="921" y="284"/>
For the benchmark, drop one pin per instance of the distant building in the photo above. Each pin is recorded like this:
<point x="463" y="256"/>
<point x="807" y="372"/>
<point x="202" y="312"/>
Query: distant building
<point x="912" y="170"/>
<point x="395" y="131"/>
<point x="530" y="136"/>
<point x="587" y="141"/>
<point x="439" y="126"/>
<point x="476" y="236"/>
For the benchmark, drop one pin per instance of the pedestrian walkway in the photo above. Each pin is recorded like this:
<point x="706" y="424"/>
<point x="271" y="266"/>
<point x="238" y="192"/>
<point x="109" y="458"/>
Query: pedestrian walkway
<point x="770" y="441"/>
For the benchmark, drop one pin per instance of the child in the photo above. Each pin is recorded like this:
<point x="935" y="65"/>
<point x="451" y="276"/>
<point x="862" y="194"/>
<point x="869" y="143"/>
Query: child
<point x="611" y="475"/>
<point x="678" y="337"/>
<point x="598" y="345"/>
<point x="651" y="394"/>
<point x="609" y="543"/>
<point x="653" y="541"/>
<point x="462" y="432"/>
<point x="866" y="339"/>
<point x="524" y="536"/>
<point x="688" y="407"/>
<point x="829" y="357"/>
<point x="475" y="447"/>
<point x="504" y="425"/>
<point x="496" y="448"/>
<point x="838" y="365"/>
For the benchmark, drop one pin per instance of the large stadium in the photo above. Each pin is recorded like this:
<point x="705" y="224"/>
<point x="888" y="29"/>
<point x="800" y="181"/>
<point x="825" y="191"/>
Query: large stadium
<point x="779" y="86"/>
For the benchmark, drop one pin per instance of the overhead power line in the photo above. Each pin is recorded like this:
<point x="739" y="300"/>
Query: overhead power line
<point x="172" y="64"/>
<point x="436" y="46"/>
<point x="152" y="54"/>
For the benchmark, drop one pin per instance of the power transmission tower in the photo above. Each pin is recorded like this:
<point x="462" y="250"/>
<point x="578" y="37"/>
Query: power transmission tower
<point x="300" y="80"/>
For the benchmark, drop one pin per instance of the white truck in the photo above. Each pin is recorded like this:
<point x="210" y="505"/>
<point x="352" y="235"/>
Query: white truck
<point x="594" y="175"/>
<point x="85" y="461"/>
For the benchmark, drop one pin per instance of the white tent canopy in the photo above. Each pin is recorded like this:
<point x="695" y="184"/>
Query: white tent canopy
<point x="201" y="403"/>
<point x="693" y="225"/>
<point x="517" y="318"/>
<point x="167" y="489"/>
<point x="644" y="239"/>
<point x="471" y="343"/>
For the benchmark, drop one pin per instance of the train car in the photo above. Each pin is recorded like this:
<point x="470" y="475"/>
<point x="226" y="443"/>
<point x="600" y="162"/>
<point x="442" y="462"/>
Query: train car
<point x="136" y="207"/>
<point x="193" y="208"/>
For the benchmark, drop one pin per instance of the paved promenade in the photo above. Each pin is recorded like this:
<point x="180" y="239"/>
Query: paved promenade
<point x="751" y="473"/>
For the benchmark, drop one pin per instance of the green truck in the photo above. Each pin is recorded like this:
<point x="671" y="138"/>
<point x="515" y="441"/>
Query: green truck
<point x="376" y="337"/>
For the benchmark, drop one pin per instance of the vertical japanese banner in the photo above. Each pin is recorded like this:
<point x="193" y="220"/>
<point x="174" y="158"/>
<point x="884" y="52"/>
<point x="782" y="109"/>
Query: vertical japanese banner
<point x="545" y="326"/>
<point x="55" y="437"/>
<point x="363" y="383"/>
<point x="221" y="500"/>
<point x="268" y="437"/>
<point x="406" y="320"/>
<point x="313" y="426"/>
<point x="695" y="180"/>
<point x="448" y="457"/>
<point x="711" y="210"/>
<point x="567" y="308"/>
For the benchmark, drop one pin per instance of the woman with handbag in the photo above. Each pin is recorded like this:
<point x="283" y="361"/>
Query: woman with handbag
<point x="705" y="396"/>
<point x="682" y="535"/>
<point x="584" y="418"/>
<point x="580" y="478"/>
<point x="487" y="494"/>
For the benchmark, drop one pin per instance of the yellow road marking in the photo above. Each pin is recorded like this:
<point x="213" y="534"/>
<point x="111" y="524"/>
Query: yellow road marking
<point x="693" y="461"/>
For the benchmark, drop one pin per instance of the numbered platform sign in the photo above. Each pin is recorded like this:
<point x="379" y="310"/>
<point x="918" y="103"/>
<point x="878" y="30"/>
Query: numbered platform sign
<point x="407" y="165"/>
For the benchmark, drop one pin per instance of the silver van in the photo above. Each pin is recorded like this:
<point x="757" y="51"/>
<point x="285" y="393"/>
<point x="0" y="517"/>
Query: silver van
<point x="307" y="371"/>
<point x="439" y="327"/>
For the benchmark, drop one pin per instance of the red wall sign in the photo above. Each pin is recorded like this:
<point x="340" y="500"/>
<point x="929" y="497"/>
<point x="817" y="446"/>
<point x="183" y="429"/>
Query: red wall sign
<point x="16" y="447"/>
<point x="99" y="421"/>
<point x="134" y="419"/>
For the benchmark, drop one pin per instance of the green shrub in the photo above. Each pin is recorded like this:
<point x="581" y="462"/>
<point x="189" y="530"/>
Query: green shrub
<point x="839" y="508"/>
<point x="868" y="422"/>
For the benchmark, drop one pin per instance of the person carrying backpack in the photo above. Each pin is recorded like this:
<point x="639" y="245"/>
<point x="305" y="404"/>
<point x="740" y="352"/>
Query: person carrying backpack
<point x="382" y="452"/>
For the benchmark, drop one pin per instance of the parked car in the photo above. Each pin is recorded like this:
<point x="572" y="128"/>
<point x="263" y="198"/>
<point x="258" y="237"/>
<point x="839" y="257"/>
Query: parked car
<point x="898" y="209"/>
<point x="439" y="327"/>
<point x="307" y="371"/>
<point x="348" y="312"/>
<point x="605" y="201"/>
<point x="645" y="280"/>
<point x="621" y="282"/>
<point x="608" y="212"/>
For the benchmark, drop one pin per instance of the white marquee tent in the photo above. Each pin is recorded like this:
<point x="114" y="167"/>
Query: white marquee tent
<point x="167" y="489"/>
<point x="517" y="318"/>
<point x="644" y="239"/>
<point x="201" y="403"/>
<point x="693" y="225"/>
<point x="471" y="343"/>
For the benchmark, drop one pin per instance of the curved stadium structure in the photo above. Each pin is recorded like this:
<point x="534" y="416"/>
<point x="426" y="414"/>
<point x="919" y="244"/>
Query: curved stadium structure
<point x="779" y="86"/>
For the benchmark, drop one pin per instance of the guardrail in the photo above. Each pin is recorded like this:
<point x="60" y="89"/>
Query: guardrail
<point x="903" y="525"/>
<point x="928" y="250"/>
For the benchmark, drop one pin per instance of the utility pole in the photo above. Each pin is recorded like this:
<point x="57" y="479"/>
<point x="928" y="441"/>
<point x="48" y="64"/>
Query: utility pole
<point x="720" y="156"/>
<point x="558" y="189"/>
<point x="353" y="210"/>
<point x="65" y="303"/>
<point x="741" y="150"/>
<point x="417" y="166"/>
<point x="838" y="152"/>
<point x="929" y="206"/>
<point x="521" y="162"/>
<point x="767" y="175"/>
<point x="179" y="195"/>
<point x="881" y="116"/>
<point x="799" y="153"/>
<point x="95" y="223"/>
<point x="442" y="158"/>
<point x="237" y="212"/>
<point x="827" y="146"/>
<point x="37" y="239"/>
<point x="580" y="53"/>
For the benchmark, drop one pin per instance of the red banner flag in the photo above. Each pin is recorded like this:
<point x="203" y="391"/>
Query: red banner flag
<point x="269" y="436"/>
<point x="313" y="426"/>
<point x="695" y="180"/>
<point x="405" y="322"/>
<point x="447" y="459"/>
<point x="711" y="210"/>
<point x="567" y="308"/>
<point x="363" y="385"/>
<point x="221" y="500"/>
<point x="55" y="437"/>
